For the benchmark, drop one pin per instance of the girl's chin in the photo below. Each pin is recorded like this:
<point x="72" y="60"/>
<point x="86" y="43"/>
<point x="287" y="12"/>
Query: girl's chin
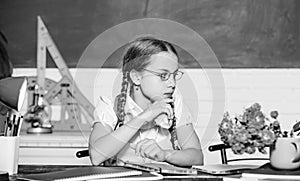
<point x="159" y="98"/>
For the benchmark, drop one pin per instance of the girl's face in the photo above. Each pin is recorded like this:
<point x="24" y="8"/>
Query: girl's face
<point x="153" y="86"/>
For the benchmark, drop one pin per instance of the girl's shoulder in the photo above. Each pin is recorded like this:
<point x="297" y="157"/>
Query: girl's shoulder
<point x="104" y="111"/>
<point x="104" y="102"/>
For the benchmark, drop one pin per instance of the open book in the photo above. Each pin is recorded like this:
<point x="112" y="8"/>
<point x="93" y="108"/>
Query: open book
<point x="84" y="173"/>
<point x="162" y="168"/>
<point x="268" y="172"/>
<point x="224" y="169"/>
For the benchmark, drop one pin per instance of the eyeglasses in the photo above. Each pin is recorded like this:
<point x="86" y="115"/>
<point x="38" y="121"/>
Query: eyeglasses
<point x="166" y="75"/>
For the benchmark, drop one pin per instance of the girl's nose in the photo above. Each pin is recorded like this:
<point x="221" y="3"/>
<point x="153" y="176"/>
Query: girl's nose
<point x="171" y="81"/>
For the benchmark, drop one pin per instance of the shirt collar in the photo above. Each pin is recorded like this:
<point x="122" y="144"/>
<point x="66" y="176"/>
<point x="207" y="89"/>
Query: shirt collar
<point x="131" y="107"/>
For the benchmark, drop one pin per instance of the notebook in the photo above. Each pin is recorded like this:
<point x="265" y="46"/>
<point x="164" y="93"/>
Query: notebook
<point x="162" y="168"/>
<point x="144" y="176"/>
<point x="84" y="173"/>
<point x="224" y="169"/>
<point x="266" y="172"/>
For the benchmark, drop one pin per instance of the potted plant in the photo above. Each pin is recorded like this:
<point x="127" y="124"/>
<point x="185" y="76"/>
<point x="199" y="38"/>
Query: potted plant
<point x="250" y="131"/>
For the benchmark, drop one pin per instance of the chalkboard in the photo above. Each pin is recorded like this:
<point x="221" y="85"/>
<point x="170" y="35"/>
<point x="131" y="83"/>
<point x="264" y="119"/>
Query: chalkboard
<point x="243" y="34"/>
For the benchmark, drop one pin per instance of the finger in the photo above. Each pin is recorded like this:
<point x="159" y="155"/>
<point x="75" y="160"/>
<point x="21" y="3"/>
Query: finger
<point x="145" y="147"/>
<point x="148" y="149"/>
<point x="151" y="151"/>
<point x="139" y="145"/>
<point x="157" y="154"/>
<point x="161" y="107"/>
<point x="132" y="145"/>
<point x="171" y="111"/>
<point x="168" y="111"/>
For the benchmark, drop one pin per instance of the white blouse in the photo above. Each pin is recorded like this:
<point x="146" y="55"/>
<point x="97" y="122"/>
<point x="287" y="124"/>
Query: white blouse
<point x="105" y="114"/>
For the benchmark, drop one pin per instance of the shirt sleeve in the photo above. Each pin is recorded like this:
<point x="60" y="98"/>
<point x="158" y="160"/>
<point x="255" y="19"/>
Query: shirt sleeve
<point x="185" y="117"/>
<point x="104" y="113"/>
<point x="182" y="112"/>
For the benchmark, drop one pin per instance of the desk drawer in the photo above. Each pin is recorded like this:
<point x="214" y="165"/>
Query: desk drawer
<point x="51" y="156"/>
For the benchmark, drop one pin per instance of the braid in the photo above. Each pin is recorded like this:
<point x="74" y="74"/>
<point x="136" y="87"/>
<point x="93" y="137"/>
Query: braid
<point x="173" y="132"/>
<point x="121" y="100"/>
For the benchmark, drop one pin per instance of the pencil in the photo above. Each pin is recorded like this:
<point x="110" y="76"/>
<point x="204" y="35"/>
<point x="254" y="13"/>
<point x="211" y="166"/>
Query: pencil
<point x="6" y="125"/>
<point x="19" y="126"/>
<point x="13" y="126"/>
<point x="16" y="127"/>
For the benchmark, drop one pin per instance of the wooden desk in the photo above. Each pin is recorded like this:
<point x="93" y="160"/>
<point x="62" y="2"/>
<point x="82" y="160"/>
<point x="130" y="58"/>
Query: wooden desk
<point x="31" y="169"/>
<point x="58" y="148"/>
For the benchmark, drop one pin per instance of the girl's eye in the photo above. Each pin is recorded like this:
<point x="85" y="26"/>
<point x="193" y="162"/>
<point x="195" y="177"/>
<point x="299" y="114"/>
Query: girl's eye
<point x="165" y="76"/>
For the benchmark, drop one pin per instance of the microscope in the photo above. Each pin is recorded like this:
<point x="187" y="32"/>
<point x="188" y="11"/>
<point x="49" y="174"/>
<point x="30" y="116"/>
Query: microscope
<point x="38" y="114"/>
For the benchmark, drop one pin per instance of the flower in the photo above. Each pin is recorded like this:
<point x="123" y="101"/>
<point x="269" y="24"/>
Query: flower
<point x="249" y="131"/>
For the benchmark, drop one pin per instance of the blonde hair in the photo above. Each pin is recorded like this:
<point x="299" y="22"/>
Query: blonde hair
<point x="137" y="57"/>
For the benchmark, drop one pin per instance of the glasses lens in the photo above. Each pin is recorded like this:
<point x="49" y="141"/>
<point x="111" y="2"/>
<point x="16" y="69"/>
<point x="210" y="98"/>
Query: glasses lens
<point x="178" y="75"/>
<point x="165" y="76"/>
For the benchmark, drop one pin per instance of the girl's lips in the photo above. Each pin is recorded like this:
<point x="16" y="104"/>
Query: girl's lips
<point x="169" y="95"/>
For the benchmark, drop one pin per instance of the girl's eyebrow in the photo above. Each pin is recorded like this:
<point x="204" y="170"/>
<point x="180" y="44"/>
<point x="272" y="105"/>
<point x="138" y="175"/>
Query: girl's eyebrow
<point x="166" y="70"/>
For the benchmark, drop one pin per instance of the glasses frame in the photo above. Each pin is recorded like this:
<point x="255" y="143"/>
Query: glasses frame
<point x="169" y="74"/>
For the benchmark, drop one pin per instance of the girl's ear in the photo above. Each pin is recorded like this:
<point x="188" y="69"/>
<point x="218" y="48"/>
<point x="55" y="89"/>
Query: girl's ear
<point x="135" y="77"/>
